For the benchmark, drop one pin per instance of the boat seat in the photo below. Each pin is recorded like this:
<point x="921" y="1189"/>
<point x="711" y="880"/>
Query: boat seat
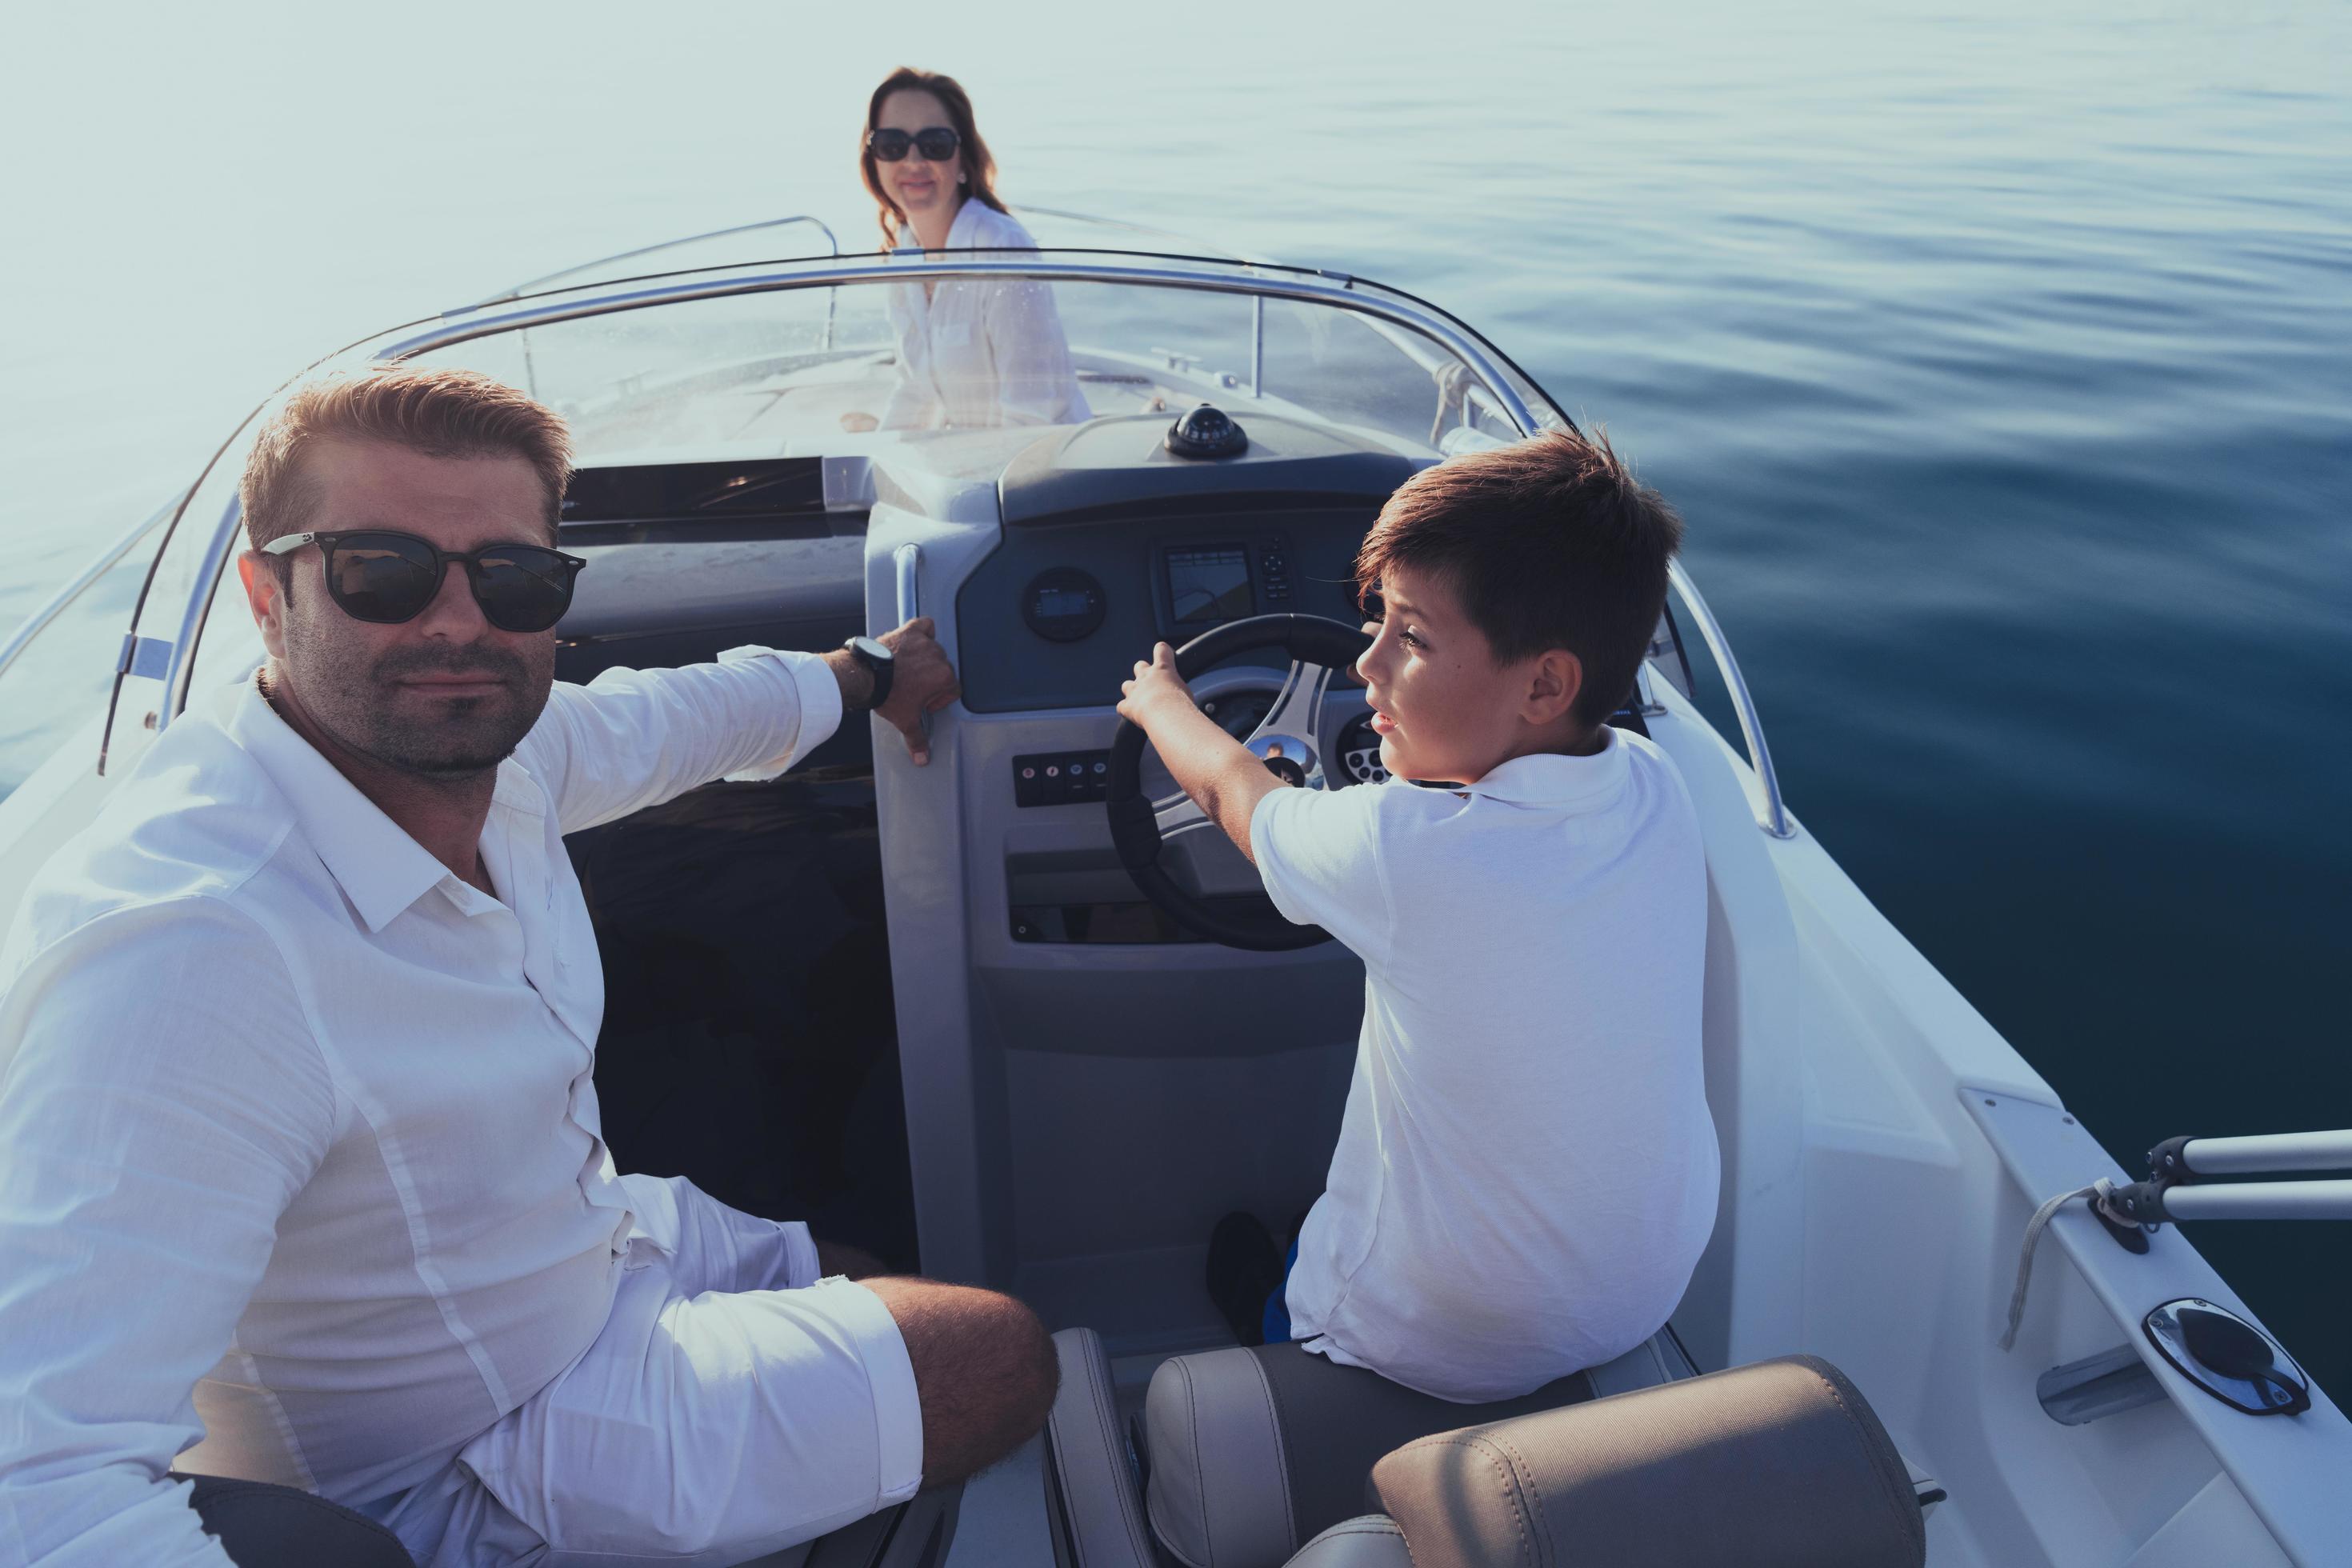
<point x="1250" y="1451"/>
<point x="264" y="1526"/>
<point x="1776" y="1465"/>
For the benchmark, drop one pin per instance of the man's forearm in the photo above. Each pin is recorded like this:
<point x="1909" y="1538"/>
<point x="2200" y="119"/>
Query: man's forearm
<point x="1220" y="774"/>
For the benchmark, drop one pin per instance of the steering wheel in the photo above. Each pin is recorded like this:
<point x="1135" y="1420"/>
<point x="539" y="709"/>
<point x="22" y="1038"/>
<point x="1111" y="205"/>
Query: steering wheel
<point x="1288" y="740"/>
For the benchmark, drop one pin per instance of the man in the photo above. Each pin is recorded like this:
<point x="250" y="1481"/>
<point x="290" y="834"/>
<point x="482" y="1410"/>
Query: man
<point x="301" y="1174"/>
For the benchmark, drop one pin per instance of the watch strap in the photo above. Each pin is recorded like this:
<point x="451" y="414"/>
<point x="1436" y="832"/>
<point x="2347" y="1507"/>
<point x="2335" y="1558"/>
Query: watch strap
<point x="878" y="671"/>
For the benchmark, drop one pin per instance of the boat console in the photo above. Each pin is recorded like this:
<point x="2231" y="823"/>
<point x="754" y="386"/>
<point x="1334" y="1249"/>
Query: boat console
<point x="1093" y="1085"/>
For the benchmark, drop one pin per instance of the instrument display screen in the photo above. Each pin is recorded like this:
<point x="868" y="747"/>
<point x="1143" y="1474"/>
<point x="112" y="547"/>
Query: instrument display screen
<point x="1209" y="582"/>
<point x="1063" y="603"/>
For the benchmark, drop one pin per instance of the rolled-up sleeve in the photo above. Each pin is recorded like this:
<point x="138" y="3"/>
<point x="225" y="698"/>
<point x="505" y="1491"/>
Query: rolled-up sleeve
<point x="634" y="738"/>
<point x="161" y="1101"/>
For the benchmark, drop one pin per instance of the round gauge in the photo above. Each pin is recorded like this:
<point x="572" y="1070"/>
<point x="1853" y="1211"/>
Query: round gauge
<point x="1359" y="754"/>
<point x="1063" y="605"/>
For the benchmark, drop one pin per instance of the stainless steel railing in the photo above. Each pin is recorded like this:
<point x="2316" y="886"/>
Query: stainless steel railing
<point x="62" y="600"/>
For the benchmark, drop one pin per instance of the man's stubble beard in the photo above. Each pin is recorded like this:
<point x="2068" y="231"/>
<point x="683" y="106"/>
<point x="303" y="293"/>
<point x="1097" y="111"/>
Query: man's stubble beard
<point x="351" y="696"/>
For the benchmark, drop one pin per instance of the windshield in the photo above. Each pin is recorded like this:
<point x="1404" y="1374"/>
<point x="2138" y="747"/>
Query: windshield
<point x="824" y="369"/>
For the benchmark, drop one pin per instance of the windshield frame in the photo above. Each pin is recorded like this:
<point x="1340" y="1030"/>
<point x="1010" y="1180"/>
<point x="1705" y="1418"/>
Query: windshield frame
<point x="1500" y="379"/>
<point x="1384" y="306"/>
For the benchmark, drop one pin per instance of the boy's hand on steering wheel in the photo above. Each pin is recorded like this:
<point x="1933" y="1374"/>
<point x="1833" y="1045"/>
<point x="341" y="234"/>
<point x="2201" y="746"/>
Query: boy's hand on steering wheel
<point x="1155" y="687"/>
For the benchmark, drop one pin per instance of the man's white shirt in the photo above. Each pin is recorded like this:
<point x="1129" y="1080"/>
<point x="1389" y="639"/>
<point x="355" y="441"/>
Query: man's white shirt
<point x="293" y="1117"/>
<point x="1527" y="1171"/>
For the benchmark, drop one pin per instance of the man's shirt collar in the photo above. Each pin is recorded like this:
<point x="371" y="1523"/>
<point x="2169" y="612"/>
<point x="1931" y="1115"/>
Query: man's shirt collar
<point x="381" y="868"/>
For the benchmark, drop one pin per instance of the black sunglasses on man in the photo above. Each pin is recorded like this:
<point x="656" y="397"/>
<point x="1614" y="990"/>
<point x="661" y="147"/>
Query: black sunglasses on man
<point x="387" y="577"/>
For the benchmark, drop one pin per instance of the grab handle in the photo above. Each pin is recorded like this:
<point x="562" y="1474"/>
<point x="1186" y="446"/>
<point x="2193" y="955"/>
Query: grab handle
<point x="908" y="559"/>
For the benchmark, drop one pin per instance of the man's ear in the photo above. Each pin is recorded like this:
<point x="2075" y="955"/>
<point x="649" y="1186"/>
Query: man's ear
<point x="1552" y="687"/>
<point x="266" y="596"/>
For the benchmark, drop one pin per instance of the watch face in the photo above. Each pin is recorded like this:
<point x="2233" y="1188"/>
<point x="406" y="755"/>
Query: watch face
<point x="871" y="649"/>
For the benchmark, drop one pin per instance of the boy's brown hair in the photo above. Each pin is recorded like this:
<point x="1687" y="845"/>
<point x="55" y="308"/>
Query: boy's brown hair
<point x="1550" y="542"/>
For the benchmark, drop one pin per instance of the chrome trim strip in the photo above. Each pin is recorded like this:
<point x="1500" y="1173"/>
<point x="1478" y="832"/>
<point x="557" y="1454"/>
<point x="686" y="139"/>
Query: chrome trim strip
<point x="1257" y="346"/>
<point x="149" y="659"/>
<point x="1774" y="818"/>
<point x="58" y="603"/>
<point x="191" y="616"/>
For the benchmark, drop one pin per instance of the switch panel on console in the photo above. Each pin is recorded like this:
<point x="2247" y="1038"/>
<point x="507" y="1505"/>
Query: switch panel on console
<point x="1061" y="778"/>
<point x="1274" y="572"/>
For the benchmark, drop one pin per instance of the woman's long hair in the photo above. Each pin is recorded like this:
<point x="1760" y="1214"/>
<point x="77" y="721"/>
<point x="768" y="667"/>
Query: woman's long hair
<point x="979" y="167"/>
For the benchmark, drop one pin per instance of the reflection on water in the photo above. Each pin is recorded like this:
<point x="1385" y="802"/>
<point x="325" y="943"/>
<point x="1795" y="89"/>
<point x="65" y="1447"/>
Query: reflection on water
<point x="2002" y="365"/>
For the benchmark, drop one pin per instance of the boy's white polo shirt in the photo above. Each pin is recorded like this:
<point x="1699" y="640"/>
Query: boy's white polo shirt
<point x="1526" y="1171"/>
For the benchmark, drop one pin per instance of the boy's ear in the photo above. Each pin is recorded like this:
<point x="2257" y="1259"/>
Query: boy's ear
<point x="1552" y="687"/>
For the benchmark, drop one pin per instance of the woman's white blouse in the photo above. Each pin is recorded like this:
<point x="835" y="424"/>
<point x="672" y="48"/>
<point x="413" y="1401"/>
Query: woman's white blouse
<point x="981" y="351"/>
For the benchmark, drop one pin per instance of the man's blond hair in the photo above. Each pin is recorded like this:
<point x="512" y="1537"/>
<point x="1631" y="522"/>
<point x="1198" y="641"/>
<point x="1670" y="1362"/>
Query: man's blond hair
<point x="438" y="412"/>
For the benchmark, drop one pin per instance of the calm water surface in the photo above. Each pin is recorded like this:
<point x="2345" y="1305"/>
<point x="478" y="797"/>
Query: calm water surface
<point x="2002" y="366"/>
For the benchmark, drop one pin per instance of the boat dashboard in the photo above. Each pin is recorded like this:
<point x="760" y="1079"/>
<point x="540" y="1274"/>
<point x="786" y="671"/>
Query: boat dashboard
<point x="1097" y="541"/>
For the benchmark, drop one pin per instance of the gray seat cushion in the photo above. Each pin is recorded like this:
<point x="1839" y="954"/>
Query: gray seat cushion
<point x="265" y="1526"/>
<point x="1367" y="1540"/>
<point x="1251" y="1450"/>
<point x="1777" y="1464"/>
<point x="1093" y="1503"/>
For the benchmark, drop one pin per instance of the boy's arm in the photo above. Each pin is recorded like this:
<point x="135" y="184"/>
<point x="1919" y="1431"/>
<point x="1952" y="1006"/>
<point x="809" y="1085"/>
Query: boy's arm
<point x="1225" y="780"/>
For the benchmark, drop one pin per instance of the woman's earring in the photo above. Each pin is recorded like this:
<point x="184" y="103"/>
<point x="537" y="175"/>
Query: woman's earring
<point x="963" y="179"/>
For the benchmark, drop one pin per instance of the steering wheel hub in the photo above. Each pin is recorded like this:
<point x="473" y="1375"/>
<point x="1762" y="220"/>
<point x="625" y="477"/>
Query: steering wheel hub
<point x="1287" y="741"/>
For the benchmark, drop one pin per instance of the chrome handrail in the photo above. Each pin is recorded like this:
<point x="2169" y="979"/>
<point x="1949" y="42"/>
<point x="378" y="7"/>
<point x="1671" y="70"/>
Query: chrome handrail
<point x="1340" y="294"/>
<point x="1773" y="818"/>
<point x="519" y="289"/>
<point x="449" y="330"/>
<point x="181" y="669"/>
<point x="58" y="603"/>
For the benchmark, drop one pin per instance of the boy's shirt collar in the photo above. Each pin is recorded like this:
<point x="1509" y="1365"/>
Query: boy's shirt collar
<point x="1560" y="782"/>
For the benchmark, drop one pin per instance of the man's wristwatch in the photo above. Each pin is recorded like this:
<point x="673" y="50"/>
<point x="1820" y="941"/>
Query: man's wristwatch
<point x="878" y="664"/>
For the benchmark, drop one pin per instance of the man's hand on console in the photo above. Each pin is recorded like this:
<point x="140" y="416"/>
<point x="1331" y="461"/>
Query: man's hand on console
<point x="921" y="683"/>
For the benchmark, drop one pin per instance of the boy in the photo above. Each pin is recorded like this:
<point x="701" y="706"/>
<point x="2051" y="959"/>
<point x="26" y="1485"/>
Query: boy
<point x="1526" y="1173"/>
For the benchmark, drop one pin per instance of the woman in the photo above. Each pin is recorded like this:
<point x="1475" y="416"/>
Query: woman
<point x="972" y="351"/>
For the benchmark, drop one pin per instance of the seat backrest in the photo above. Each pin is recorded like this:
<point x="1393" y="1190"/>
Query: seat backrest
<point x="265" y="1526"/>
<point x="1777" y="1464"/>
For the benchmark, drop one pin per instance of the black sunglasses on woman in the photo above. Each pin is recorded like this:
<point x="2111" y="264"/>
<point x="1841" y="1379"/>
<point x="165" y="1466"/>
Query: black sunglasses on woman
<point x="935" y="143"/>
<point x="387" y="577"/>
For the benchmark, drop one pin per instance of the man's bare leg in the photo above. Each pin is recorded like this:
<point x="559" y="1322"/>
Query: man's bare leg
<point x="985" y="1371"/>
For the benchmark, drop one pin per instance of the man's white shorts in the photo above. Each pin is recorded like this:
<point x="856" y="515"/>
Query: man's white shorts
<point x="715" y="1419"/>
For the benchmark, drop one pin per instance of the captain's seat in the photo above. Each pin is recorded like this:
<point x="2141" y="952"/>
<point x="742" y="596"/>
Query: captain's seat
<point x="1266" y="1456"/>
